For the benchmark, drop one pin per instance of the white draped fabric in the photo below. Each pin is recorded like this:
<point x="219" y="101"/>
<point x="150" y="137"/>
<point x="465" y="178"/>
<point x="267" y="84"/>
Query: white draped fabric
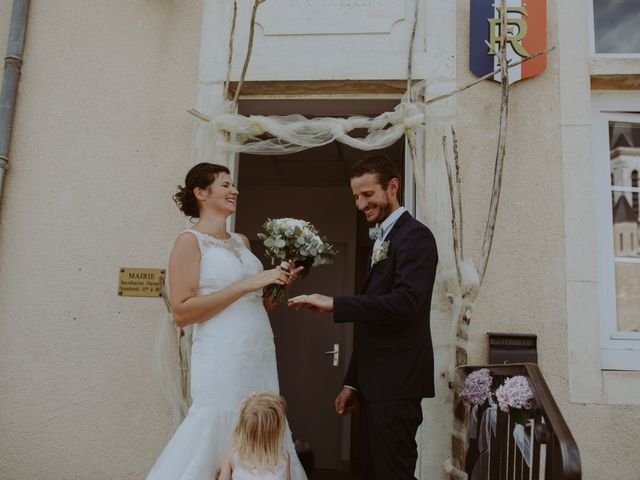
<point x="281" y="135"/>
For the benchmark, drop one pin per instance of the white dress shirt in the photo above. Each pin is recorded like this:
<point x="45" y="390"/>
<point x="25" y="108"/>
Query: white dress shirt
<point x="386" y="226"/>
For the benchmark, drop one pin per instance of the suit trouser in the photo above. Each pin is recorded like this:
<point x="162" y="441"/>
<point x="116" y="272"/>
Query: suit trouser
<point x="389" y="449"/>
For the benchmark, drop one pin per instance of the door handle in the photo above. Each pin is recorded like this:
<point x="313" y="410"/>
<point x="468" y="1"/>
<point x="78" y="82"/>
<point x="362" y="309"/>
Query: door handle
<point x="336" y="354"/>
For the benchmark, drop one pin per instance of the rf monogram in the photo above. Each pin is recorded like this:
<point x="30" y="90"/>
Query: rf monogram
<point x="516" y="30"/>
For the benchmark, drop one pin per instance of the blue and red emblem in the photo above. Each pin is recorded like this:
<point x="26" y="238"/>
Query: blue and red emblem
<point x="526" y="35"/>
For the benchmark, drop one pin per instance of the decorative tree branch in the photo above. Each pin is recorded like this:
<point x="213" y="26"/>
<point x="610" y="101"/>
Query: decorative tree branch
<point x="252" y="28"/>
<point x="488" y="75"/>
<point x="454" y="221"/>
<point x="411" y="42"/>
<point x="468" y="288"/>
<point x="456" y="158"/>
<point x="410" y="135"/>
<point x="502" y="144"/>
<point x="230" y="52"/>
<point x="206" y="118"/>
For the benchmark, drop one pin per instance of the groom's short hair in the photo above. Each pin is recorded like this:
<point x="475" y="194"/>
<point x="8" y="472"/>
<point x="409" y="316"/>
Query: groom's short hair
<point x="381" y="165"/>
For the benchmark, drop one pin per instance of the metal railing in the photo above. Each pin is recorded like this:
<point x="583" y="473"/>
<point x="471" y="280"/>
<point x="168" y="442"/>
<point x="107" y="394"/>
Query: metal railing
<point x="548" y="443"/>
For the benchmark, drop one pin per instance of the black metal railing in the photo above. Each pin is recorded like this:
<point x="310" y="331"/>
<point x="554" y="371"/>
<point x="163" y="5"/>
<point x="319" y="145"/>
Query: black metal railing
<point x="494" y="454"/>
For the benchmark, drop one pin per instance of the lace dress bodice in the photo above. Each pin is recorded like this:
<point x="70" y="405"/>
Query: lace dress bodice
<point x="223" y="262"/>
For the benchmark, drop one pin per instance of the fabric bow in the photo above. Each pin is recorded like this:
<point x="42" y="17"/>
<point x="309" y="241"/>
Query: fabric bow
<point x="375" y="233"/>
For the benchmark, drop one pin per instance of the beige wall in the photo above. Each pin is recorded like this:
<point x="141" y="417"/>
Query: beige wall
<point x="101" y="140"/>
<point x="523" y="291"/>
<point x="542" y="263"/>
<point x="604" y="404"/>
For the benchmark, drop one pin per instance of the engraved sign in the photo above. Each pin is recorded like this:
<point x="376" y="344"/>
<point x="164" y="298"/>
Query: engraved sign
<point x="140" y="282"/>
<point x="318" y="17"/>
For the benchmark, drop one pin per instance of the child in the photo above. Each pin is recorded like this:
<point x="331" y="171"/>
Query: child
<point x="258" y="452"/>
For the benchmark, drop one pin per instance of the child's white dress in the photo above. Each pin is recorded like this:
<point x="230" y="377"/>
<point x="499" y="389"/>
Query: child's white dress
<point x="239" y="473"/>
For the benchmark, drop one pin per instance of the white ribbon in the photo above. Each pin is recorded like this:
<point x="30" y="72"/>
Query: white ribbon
<point x="523" y="442"/>
<point x="472" y="433"/>
<point x="487" y="427"/>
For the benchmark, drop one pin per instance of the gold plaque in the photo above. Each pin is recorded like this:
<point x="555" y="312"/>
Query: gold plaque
<point x="141" y="282"/>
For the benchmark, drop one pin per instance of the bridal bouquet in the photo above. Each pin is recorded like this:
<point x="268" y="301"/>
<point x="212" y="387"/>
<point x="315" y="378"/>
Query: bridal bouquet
<point x="292" y="240"/>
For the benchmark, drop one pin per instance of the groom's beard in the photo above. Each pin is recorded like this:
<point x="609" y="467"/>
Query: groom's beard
<point x="385" y="210"/>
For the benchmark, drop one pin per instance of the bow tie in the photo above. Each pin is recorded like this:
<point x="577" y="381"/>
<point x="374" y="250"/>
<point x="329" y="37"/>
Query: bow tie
<point x="375" y="233"/>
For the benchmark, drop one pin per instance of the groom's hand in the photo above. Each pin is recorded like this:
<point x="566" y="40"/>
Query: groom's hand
<point x="316" y="303"/>
<point x="346" y="401"/>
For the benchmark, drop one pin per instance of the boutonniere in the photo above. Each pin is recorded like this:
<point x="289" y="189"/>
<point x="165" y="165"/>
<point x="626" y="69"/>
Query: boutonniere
<point x="380" y="253"/>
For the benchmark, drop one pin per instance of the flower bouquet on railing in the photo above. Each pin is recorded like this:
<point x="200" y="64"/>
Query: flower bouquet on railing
<point x="516" y="398"/>
<point x="297" y="241"/>
<point x="477" y="387"/>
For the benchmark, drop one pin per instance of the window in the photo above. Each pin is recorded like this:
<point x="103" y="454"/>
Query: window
<point x="624" y="154"/>
<point x="615" y="27"/>
<point x="616" y="149"/>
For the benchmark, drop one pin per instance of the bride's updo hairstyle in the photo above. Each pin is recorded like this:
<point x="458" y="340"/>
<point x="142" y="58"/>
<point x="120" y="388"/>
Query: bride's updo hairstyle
<point x="200" y="176"/>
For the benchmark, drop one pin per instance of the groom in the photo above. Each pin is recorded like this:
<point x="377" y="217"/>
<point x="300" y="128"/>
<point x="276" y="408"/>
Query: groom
<point x="391" y="367"/>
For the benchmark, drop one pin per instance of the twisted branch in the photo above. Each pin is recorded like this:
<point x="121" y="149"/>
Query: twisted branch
<point x="485" y="77"/>
<point x="230" y="54"/>
<point x="411" y="42"/>
<point x="454" y="222"/>
<point x="465" y="299"/>
<point x="500" y="154"/>
<point x="245" y="67"/>
<point x="458" y="187"/>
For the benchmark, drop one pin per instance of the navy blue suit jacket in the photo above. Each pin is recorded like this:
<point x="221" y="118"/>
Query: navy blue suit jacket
<point x="393" y="354"/>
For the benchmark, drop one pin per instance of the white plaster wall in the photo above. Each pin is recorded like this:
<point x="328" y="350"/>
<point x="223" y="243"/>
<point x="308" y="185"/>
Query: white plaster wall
<point x="101" y="140"/>
<point x="353" y="56"/>
<point x="319" y="56"/>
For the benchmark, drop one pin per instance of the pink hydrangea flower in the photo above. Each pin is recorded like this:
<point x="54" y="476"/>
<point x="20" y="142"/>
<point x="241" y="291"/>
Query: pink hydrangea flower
<point x="515" y="392"/>
<point x="477" y="387"/>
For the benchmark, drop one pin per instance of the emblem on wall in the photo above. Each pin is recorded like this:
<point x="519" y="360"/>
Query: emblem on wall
<point x="526" y="35"/>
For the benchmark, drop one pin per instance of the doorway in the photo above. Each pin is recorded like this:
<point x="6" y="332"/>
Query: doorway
<point x="312" y="351"/>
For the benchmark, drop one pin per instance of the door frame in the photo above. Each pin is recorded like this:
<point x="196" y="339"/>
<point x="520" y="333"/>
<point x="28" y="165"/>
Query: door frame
<point x="409" y="187"/>
<point x="409" y="202"/>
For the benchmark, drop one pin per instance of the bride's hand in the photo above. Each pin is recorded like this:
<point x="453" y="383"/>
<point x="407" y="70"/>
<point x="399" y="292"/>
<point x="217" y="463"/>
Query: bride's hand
<point x="294" y="272"/>
<point x="275" y="276"/>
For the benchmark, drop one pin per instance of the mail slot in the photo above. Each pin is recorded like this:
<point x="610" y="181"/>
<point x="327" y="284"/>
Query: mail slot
<point x="512" y="348"/>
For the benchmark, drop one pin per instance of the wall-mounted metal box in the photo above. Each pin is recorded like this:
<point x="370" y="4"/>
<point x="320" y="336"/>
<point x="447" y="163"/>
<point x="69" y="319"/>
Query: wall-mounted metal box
<point x="512" y="348"/>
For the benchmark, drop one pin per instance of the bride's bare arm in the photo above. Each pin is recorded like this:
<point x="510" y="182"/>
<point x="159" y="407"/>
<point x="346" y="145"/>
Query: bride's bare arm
<point x="184" y="268"/>
<point x="270" y="303"/>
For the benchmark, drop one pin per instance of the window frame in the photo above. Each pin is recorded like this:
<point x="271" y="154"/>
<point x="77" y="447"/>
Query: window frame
<point x="592" y="38"/>
<point x="619" y="350"/>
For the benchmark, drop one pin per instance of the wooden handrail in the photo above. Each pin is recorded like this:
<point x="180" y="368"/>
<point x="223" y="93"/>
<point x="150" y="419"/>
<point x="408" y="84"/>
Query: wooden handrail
<point x="562" y="461"/>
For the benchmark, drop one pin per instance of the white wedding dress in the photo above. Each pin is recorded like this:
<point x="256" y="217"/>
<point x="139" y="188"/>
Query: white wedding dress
<point x="233" y="355"/>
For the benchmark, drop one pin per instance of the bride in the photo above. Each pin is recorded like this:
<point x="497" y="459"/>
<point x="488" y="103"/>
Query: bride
<point x="216" y="284"/>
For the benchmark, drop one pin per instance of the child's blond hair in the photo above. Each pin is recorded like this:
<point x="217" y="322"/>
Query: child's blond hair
<point x="259" y="432"/>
